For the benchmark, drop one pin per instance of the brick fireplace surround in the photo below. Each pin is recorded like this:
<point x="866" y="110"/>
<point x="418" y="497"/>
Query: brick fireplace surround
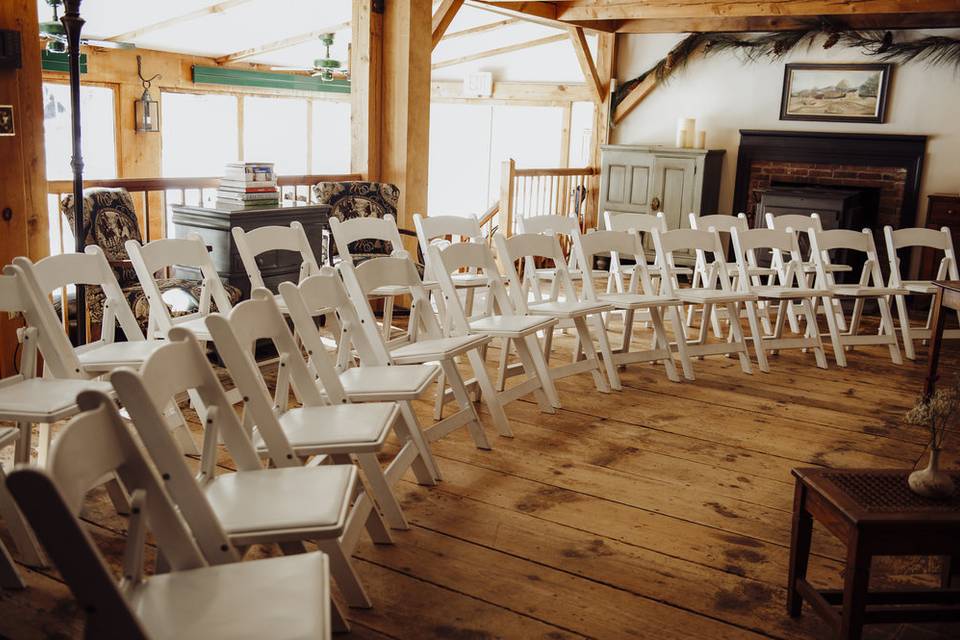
<point x="889" y="164"/>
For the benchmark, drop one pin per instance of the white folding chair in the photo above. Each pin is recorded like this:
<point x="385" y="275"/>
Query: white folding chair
<point x="254" y="243"/>
<point x="642" y="223"/>
<point x="190" y="253"/>
<point x="533" y="277"/>
<point x="323" y="295"/>
<point x="426" y="343"/>
<point x="384" y="229"/>
<point x="275" y="597"/>
<point x="947" y="270"/>
<point x="512" y="329"/>
<point x="285" y="504"/>
<point x="526" y="248"/>
<point x="639" y="296"/>
<point x="870" y="285"/>
<point x="788" y="284"/>
<point x="709" y="242"/>
<point x="321" y="426"/>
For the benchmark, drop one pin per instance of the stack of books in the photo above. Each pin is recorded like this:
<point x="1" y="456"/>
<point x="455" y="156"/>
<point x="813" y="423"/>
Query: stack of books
<point x="248" y="184"/>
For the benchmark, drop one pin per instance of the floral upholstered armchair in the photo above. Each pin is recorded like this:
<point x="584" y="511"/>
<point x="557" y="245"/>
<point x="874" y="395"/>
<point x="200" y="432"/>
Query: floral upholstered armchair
<point x="110" y="219"/>
<point x="350" y="200"/>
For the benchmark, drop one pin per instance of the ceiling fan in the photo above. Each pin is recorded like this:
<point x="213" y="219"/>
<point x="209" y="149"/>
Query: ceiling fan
<point x="56" y="36"/>
<point x="325" y="68"/>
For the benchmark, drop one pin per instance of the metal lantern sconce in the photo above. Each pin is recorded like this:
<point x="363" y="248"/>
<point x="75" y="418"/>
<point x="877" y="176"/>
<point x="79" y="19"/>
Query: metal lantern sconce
<point x="147" y="110"/>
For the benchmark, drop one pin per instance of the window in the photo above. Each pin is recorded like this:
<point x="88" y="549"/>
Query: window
<point x="275" y="130"/>
<point x="199" y="133"/>
<point x="581" y="133"/>
<point x="330" y="146"/>
<point x="97" y="110"/>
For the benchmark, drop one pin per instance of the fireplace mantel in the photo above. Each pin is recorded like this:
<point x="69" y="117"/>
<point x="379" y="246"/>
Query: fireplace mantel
<point x="853" y="149"/>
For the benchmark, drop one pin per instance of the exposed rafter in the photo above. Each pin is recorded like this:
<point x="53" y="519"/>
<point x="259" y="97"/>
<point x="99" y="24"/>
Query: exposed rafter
<point x="219" y="7"/>
<point x="783" y="23"/>
<point x="582" y="49"/>
<point x="501" y="50"/>
<point x="490" y="26"/>
<point x="544" y="13"/>
<point x="279" y="45"/>
<point x="632" y="99"/>
<point x="442" y="18"/>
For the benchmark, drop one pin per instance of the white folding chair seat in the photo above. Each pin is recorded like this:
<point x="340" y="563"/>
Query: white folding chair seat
<point x="582" y="315"/>
<point x="331" y="429"/>
<point x="930" y="240"/>
<point x="708" y="244"/>
<point x="427" y="344"/>
<point x="275" y="597"/>
<point x="324" y="294"/>
<point x="284" y="504"/>
<point x="869" y="285"/>
<point x="513" y="330"/>
<point x="638" y="296"/>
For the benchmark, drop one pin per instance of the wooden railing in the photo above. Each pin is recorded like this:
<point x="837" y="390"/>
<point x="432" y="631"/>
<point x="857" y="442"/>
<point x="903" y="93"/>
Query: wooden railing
<point x="537" y="192"/>
<point x="153" y="198"/>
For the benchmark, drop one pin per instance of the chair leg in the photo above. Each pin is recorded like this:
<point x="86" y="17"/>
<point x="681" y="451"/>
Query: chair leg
<point x="424" y="466"/>
<point x="739" y="339"/>
<point x="586" y="341"/>
<point x="681" y="338"/>
<point x="905" y="328"/>
<point x="813" y="332"/>
<point x="704" y="325"/>
<point x="660" y="341"/>
<point x="838" y="354"/>
<point x="463" y="400"/>
<point x="438" y="402"/>
<point x="606" y="352"/>
<point x="21" y="448"/>
<point x="855" y="319"/>
<point x="118" y="496"/>
<point x="345" y="575"/>
<point x="543" y="369"/>
<point x="27" y="545"/>
<point x="489" y="396"/>
<point x="525" y="353"/>
<point x="756" y="334"/>
<point x="502" y="364"/>
<point x="9" y="576"/>
<point x="886" y="323"/>
<point x="44" y="438"/>
<point x="387" y="317"/>
<point x="381" y="492"/>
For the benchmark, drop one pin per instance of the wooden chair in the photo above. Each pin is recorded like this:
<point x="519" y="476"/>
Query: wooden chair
<point x="286" y="504"/>
<point x="321" y="426"/>
<point x="787" y="285"/>
<point x="252" y="244"/>
<point x="426" y="343"/>
<point x="939" y="241"/>
<point x="709" y="242"/>
<point x="526" y="248"/>
<point x="275" y="598"/>
<point x="323" y="295"/>
<point x="870" y="285"/>
<point x="639" y="296"/>
<point x="567" y="226"/>
<point x="512" y="329"/>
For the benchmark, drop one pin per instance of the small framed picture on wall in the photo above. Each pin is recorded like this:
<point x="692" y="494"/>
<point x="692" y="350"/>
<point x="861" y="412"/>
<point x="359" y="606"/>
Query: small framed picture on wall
<point x="835" y="92"/>
<point x="7" y="127"/>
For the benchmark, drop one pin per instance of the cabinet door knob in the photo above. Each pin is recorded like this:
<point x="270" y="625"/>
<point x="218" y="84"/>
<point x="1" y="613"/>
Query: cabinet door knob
<point x="655" y="204"/>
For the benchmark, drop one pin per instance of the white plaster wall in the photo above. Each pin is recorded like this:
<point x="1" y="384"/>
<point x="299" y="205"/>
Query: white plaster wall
<point x="726" y="95"/>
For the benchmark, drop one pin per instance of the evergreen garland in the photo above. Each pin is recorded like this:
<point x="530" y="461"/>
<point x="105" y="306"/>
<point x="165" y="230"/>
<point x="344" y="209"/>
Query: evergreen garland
<point x="934" y="50"/>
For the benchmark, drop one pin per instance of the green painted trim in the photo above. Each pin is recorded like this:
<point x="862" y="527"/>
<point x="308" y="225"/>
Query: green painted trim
<point x="58" y="62"/>
<point x="266" y="80"/>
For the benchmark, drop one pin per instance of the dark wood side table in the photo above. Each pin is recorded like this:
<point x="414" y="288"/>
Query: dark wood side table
<point x="873" y="513"/>
<point x="948" y="297"/>
<point x="215" y="222"/>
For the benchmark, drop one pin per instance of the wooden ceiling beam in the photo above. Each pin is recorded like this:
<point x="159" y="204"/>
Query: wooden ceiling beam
<point x="219" y="7"/>
<point x="501" y="50"/>
<point x="442" y="18"/>
<point x="786" y="23"/>
<point x="279" y="45"/>
<point x="677" y="9"/>
<point x="482" y="28"/>
<point x="584" y="57"/>
<point x="544" y="13"/>
<point x="635" y="97"/>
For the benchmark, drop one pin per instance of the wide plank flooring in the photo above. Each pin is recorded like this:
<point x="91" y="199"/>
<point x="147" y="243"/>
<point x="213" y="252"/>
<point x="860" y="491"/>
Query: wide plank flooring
<point x="662" y="511"/>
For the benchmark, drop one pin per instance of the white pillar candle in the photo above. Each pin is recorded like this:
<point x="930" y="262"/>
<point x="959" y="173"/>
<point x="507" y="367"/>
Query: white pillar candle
<point x="701" y="140"/>
<point x="681" y="138"/>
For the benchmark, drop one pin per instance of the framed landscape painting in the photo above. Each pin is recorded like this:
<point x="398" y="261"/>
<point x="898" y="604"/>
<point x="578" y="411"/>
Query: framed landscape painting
<point x="835" y="92"/>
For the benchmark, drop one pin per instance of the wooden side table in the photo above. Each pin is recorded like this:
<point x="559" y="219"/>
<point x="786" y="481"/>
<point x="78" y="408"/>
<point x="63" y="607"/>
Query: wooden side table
<point x="947" y="297"/>
<point x="873" y="513"/>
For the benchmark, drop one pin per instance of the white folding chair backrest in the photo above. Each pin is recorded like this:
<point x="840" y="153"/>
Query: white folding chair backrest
<point x="92" y="446"/>
<point x="188" y="252"/>
<point x="566" y="225"/>
<point x="626" y="243"/>
<point x="250" y="244"/>
<point x="479" y="258"/>
<point x="435" y="230"/>
<point x="747" y="241"/>
<point x="25" y="297"/>
<point x="708" y="242"/>
<point x="390" y="271"/>
<point x="938" y="240"/>
<point x="720" y="222"/>
<point x="526" y="247"/>
<point x="347" y="232"/>
<point x="90" y="269"/>
<point x="821" y="242"/>
<point x="324" y="294"/>
<point x="799" y="223"/>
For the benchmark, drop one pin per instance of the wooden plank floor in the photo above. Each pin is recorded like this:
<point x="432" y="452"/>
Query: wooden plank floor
<point x="662" y="511"/>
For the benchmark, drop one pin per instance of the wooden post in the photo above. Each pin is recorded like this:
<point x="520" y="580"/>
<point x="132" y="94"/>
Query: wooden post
<point x="405" y="133"/>
<point x="505" y="217"/>
<point x="606" y="68"/>
<point x="366" y="67"/>
<point x="23" y="179"/>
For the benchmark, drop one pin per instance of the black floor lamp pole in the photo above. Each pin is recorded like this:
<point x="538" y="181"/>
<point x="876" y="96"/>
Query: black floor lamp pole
<point x="73" y="23"/>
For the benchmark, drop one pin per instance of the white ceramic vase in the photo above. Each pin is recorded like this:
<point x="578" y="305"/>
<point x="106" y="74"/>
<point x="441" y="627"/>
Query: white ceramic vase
<point x="932" y="481"/>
